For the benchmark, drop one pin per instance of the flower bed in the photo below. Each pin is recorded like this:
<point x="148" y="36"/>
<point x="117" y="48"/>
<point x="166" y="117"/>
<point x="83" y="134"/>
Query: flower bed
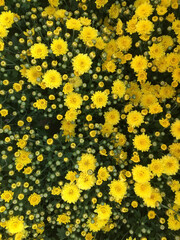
<point x="89" y="119"/>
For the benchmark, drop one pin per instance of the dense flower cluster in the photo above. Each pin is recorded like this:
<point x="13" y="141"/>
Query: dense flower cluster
<point x="89" y="119"/>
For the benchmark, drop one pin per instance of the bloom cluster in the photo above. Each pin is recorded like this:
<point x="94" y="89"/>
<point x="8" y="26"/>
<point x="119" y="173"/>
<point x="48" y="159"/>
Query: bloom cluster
<point x="89" y="119"/>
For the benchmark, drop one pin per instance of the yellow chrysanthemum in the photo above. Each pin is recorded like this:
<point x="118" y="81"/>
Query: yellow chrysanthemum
<point x="143" y="189"/>
<point x="144" y="10"/>
<point x="104" y="211"/>
<point x="141" y="174"/>
<point x="81" y="63"/>
<point x="175" y="129"/>
<point x="63" y="218"/>
<point x="118" y="88"/>
<point x="85" y="181"/>
<point x="135" y="118"/>
<point x="112" y="117"/>
<point x="147" y="100"/>
<point x="174" y="150"/>
<point x="70" y="193"/>
<point x="118" y="189"/>
<point x="99" y="99"/>
<point x="154" y="198"/>
<point x="52" y="79"/>
<point x="3" y="32"/>
<point x="103" y="174"/>
<point x="170" y="164"/>
<point x="156" y="51"/>
<point x="23" y="157"/>
<point x="88" y="34"/>
<point x="59" y="47"/>
<point x="139" y="63"/>
<point x="124" y="43"/>
<point x="54" y="3"/>
<point x="40" y="104"/>
<point x="142" y="142"/>
<point x="74" y="24"/>
<point x="7" y="19"/>
<point x="73" y="100"/>
<point x="7" y="196"/>
<point x="39" y="50"/>
<point x="96" y="224"/>
<point x="144" y="27"/>
<point x="156" y="167"/>
<point x="34" y="199"/>
<point x="14" y="225"/>
<point x="87" y="162"/>
<point x="71" y="115"/>
<point x="174" y="222"/>
<point x="33" y="75"/>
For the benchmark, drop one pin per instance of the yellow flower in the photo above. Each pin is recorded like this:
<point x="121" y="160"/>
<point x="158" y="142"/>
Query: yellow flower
<point x="99" y="99"/>
<point x="155" y="108"/>
<point x="151" y="214"/>
<point x="88" y="34"/>
<point x="174" y="150"/>
<point x="154" y="198"/>
<point x="176" y="74"/>
<point x="141" y="174"/>
<point x="85" y="181"/>
<point x="63" y="218"/>
<point x="96" y="225"/>
<point x="81" y="64"/>
<point x="70" y="193"/>
<point x="104" y="211"/>
<point x="139" y="63"/>
<point x="164" y="122"/>
<point x="112" y="117"/>
<point x="174" y="222"/>
<point x="39" y="50"/>
<point x="71" y="176"/>
<point x="1" y="45"/>
<point x="148" y="99"/>
<point x="144" y="10"/>
<point x="33" y="75"/>
<point x="143" y="189"/>
<point x="40" y="104"/>
<point x="7" y="19"/>
<point x="4" y="112"/>
<point x="74" y="24"/>
<point x="71" y="115"/>
<point x="103" y="174"/>
<point x="124" y="43"/>
<point x="110" y="66"/>
<point x="3" y="32"/>
<point x="118" y="189"/>
<point x="175" y="129"/>
<point x="73" y="100"/>
<point x="34" y="199"/>
<point x="52" y="79"/>
<point x="17" y="87"/>
<point x="135" y="118"/>
<point x="156" y="51"/>
<point x="87" y="162"/>
<point x="114" y="11"/>
<point x="144" y="27"/>
<point x="142" y="142"/>
<point x="170" y="164"/>
<point x="100" y="3"/>
<point x="54" y="3"/>
<point x="100" y="44"/>
<point x="156" y="167"/>
<point x="2" y="3"/>
<point x="85" y="21"/>
<point x="14" y="225"/>
<point x="56" y="191"/>
<point x="23" y="157"/>
<point x="161" y="10"/>
<point x="21" y="143"/>
<point x="7" y="196"/>
<point x="27" y="170"/>
<point x="59" y="47"/>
